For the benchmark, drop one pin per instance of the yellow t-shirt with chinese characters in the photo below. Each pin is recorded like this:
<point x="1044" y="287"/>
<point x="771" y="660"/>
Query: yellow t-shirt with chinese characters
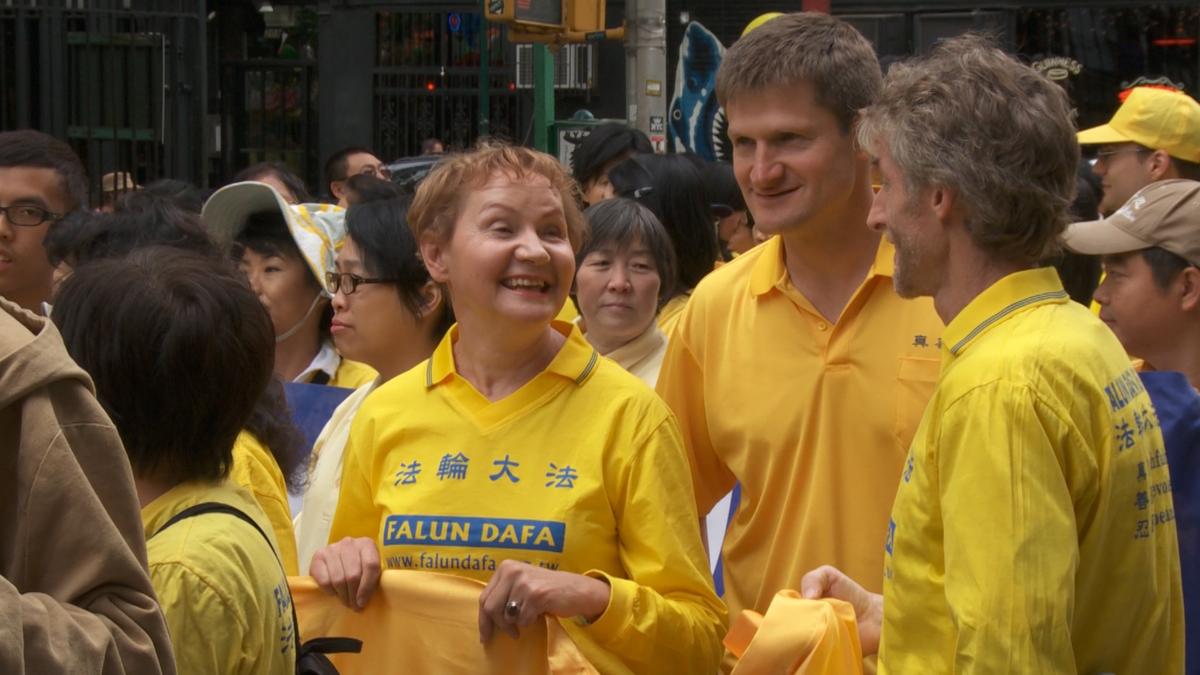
<point x="580" y="470"/>
<point x="220" y="584"/>
<point x="1033" y="531"/>
<point x="257" y="471"/>
<point x="812" y="418"/>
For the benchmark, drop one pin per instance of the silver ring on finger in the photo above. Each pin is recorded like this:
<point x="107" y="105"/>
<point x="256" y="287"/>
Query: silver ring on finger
<point x="512" y="609"/>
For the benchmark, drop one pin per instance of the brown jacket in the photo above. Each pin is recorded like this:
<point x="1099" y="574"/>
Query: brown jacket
<point x="75" y="596"/>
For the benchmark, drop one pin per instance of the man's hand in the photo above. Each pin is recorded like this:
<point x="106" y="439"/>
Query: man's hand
<point x="349" y="569"/>
<point x="830" y="582"/>
<point x="520" y="594"/>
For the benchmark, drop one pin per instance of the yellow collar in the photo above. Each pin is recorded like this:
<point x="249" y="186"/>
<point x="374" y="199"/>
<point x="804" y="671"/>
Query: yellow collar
<point x="1013" y="293"/>
<point x="576" y="360"/>
<point x="770" y="271"/>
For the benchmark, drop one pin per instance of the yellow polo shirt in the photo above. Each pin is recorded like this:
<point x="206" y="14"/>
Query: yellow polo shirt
<point x="255" y="469"/>
<point x="812" y="418"/>
<point x="580" y="470"/>
<point x="352" y="375"/>
<point x="220" y="585"/>
<point x="1033" y="530"/>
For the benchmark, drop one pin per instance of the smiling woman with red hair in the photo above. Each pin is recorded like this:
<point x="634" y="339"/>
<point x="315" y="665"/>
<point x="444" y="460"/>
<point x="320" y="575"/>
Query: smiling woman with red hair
<point x="515" y="454"/>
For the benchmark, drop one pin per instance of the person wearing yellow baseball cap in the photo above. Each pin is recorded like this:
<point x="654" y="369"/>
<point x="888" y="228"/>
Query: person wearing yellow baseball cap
<point x="1154" y="135"/>
<point x="1151" y="300"/>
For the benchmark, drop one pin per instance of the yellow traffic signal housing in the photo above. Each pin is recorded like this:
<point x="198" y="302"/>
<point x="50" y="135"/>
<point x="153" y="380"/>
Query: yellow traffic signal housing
<point x="553" y="21"/>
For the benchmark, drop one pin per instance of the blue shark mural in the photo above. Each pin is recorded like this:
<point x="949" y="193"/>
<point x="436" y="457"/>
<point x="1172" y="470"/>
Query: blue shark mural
<point x="697" y="123"/>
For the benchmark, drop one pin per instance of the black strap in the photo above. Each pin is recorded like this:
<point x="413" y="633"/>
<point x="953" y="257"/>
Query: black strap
<point x="309" y="651"/>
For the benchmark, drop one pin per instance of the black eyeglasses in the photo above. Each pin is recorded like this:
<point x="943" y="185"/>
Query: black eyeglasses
<point x="348" y="283"/>
<point x="27" y="215"/>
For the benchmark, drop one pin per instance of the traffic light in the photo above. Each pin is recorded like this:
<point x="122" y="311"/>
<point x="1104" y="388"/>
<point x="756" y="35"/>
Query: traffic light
<point x="553" y="21"/>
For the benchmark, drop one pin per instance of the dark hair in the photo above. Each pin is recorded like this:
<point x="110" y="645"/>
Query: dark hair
<point x="622" y="222"/>
<point x="280" y="171"/>
<point x="179" y="349"/>
<point x="1187" y="170"/>
<point x="670" y="186"/>
<point x="364" y="187"/>
<point x="84" y="236"/>
<point x="604" y="144"/>
<point x="271" y="423"/>
<point x="380" y="231"/>
<point x="1164" y="265"/>
<point x="30" y="148"/>
<point x="338" y="163"/>
<point x="177" y="193"/>
<point x="721" y="185"/>
<point x="266" y="233"/>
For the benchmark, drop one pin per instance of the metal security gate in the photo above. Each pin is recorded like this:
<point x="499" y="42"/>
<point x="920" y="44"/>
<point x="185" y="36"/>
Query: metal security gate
<point x="427" y="79"/>
<point x="271" y="108"/>
<point x="123" y="86"/>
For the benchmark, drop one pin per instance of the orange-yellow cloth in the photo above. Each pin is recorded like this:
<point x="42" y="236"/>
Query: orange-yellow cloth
<point x="796" y="637"/>
<point x="425" y="622"/>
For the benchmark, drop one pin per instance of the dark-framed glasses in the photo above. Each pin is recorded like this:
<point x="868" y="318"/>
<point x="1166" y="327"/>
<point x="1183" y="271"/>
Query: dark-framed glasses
<point x="28" y="215"/>
<point x="348" y="283"/>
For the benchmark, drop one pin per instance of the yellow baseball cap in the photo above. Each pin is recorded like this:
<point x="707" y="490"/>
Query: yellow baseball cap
<point x="760" y="20"/>
<point x="1159" y="119"/>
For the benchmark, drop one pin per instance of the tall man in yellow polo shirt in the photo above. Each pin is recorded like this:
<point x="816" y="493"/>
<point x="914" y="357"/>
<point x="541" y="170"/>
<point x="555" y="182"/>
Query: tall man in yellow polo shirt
<point x="1033" y="531"/>
<point x="796" y="371"/>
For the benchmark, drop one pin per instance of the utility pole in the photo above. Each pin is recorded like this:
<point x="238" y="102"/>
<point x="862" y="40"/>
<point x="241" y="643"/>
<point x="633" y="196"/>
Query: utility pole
<point x="646" y="68"/>
<point x="543" y="97"/>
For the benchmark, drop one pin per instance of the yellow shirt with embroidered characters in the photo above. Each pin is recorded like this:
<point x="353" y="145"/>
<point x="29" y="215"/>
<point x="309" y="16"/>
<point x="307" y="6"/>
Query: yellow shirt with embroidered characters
<point x="220" y="584"/>
<point x="255" y="470"/>
<point x="811" y="418"/>
<point x="1033" y="531"/>
<point x="580" y="470"/>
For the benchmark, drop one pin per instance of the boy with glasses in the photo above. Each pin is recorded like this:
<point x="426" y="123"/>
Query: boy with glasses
<point x="41" y="180"/>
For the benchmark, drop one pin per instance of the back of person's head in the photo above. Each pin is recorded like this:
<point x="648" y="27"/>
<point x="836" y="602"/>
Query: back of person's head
<point x="671" y="187"/>
<point x="179" y="349"/>
<point x="178" y="193"/>
<point x="999" y="135"/>
<point x="432" y="146"/>
<point x="605" y="144"/>
<point x="85" y="237"/>
<point x="337" y="165"/>
<point x="811" y="47"/>
<point x="622" y="223"/>
<point x="280" y="172"/>
<point x="721" y="187"/>
<point x="389" y="251"/>
<point x="364" y="187"/>
<point x="34" y="149"/>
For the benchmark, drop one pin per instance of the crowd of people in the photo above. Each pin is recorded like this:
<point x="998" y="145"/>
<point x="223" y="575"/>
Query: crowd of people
<point x="869" y="334"/>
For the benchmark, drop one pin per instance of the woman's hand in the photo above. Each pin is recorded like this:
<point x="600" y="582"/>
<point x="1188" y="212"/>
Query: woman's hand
<point x="830" y="582"/>
<point x="348" y="569"/>
<point x="520" y="594"/>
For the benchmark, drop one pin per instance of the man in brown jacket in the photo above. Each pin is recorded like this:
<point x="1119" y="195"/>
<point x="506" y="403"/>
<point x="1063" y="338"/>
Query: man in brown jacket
<point x="75" y="596"/>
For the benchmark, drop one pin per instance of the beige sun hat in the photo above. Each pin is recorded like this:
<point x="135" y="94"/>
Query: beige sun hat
<point x="319" y="230"/>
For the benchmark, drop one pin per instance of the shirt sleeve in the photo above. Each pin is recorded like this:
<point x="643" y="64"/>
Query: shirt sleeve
<point x="256" y="470"/>
<point x="665" y="617"/>
<point x="1011" y="546"/>
<point x="681" y="385"/>
<point x="356" y="514"/>
<point x="80" y="600"/>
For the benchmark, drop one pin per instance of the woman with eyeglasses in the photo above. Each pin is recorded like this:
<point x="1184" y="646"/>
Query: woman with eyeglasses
<point x="387" y="313"/>
<point x="519" y="457"/>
